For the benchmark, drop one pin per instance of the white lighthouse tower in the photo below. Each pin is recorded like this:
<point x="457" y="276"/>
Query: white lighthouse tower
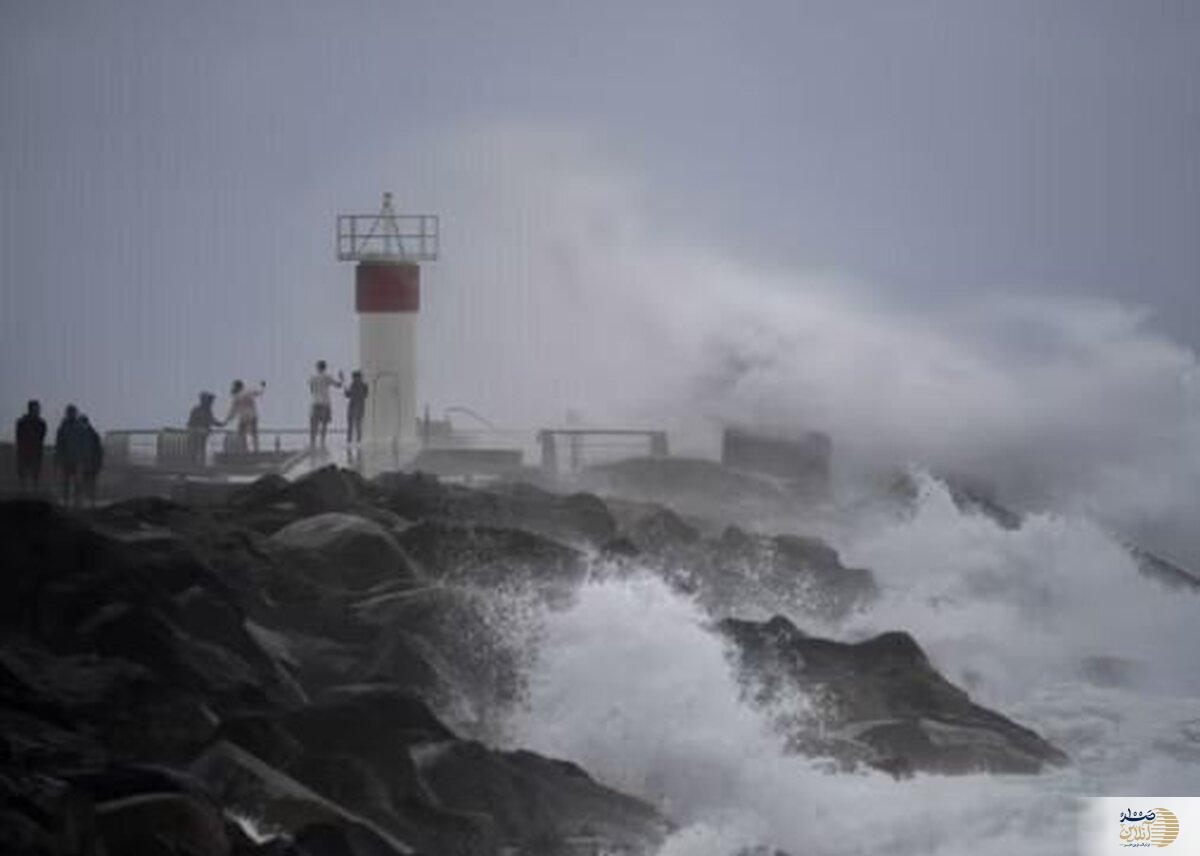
<point x="388" y="248"/>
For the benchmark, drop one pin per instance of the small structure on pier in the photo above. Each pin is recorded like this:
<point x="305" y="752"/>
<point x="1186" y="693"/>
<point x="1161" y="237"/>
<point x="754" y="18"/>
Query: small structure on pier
<point x="581" y="441"/>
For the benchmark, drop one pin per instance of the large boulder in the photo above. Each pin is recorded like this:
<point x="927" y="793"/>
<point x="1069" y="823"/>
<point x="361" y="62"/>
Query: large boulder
<point x="349" y="551"/>
<point x="750" y="575"/>
<point x="162" y="823"/>
<point x="122" y="705"/>
<point x="122" y="633"/>
<point x="741" y="572"/>
<point x="42" y="814"/>
<point x="492" y="556"/>
<point x="879" y="702"/>
<point x="1157" y="568"/>
<point x="662" y="531"/>
<point x="272" y="502"/>
<point x="464" y="646"/>
<point x="359" y="718"/>
<point x="574" y="519"/>
<point x="280" y="805"/>
<point x="540" y="804"/>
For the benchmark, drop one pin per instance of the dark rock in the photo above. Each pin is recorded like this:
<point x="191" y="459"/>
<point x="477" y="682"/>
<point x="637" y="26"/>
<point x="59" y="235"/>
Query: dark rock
<point x="1159" y="569"/>
<point x="536" y="800"/>
<point x="358" y="742"/>
<point x="177" y="669"/>
<point x="356" y="719"/>
<point x="262" y="491"/>
<point x="741" y="573"/>
<point x="458" y="636"/>
<point x="272" y="502"/>
<point x="492" y="556"/>
<point x="581" y="518"/>
<point x="620" y="548"/>
<point x="326" y="489"/>
<point x="326" y="839"/>
<point x="878" y="702"/>
<point x="279" y="804"/>
<point x="119" y="703"/>
<point x="345" y="550"/>
<point x="44" y="814"/>
<point x="31" y="742"/>
<point x="265" y="737"/>
<point x="402" y="658"/>
<point x="974" y="496"/>
<point x="663" y="530"/>
<point x="137" y="594"/>
<point x="970" y="496"/>
<point x="171" y="824"/>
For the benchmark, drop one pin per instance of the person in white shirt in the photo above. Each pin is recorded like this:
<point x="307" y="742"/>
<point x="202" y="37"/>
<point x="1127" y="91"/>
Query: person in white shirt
<point x="322" y="409"/>
<point x="244" y="408"/>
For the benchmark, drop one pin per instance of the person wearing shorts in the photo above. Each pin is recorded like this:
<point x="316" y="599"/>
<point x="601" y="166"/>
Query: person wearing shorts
<point x="321" y="411"/>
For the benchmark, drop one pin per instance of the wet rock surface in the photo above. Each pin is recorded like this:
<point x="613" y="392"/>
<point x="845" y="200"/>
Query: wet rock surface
<point x="258" y="678"/>
<point x="878" y="702"/>
<point x="739" y="573"/>
<point x="316" y="667"/>
<point x="358" y="552"/>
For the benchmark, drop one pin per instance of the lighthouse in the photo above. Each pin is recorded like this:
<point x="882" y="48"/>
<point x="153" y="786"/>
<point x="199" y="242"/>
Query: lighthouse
<point x="388" y="249"/>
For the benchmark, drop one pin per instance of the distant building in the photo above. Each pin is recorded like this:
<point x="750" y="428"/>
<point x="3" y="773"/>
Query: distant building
<point x="803" y="462"/>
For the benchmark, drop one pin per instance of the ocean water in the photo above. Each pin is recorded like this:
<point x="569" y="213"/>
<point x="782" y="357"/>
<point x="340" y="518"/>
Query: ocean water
<point x="631" y="684"/>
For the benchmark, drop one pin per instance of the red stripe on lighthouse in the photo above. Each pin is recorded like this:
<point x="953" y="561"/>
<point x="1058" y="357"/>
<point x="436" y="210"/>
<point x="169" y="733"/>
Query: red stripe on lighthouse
<point x="387" y="287"/>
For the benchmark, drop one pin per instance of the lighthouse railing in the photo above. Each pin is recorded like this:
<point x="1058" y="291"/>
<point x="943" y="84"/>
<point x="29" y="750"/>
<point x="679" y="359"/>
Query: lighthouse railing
<point x="379" y="237"/>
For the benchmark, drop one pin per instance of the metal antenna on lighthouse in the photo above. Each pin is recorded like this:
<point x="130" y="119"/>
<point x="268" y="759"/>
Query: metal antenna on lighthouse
<point x="391" y="229"/>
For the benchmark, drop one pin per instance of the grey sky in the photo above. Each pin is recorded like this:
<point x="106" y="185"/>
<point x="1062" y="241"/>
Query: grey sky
<point x="170" y="171"/>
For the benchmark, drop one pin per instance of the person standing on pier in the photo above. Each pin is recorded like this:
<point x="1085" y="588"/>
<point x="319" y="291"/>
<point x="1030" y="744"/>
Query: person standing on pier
<point x="322" y="408"/>
<point x="200" y="423"/>
<point x="244" y="408"/>
<point x="67" y="448"/>
<point x="31" y="444"/>
<point x="356" y="406"/>
<point x="91" y="460"/>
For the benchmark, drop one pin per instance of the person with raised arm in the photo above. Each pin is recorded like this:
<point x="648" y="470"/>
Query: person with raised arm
<point x="244" y="408"/>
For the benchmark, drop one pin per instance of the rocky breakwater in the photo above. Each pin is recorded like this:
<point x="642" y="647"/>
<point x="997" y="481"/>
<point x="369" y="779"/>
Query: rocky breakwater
<point x="269" y="675"/>
<point x="318" y="667"/>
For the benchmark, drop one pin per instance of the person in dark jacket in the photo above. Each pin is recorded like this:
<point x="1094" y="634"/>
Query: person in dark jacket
<point x="31" y="444"/>
<point x="200" y="423"/>
<point x="67" y="448"/>
<point x="356" y="406"/>
<point x="91" y="459"/>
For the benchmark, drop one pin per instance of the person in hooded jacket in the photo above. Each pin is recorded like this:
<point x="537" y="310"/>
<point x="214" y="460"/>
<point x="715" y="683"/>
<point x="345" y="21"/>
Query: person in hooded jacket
<point x="91" y="459"/>
<point x="67" y="450"/>
<point x="200" y="423"/>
